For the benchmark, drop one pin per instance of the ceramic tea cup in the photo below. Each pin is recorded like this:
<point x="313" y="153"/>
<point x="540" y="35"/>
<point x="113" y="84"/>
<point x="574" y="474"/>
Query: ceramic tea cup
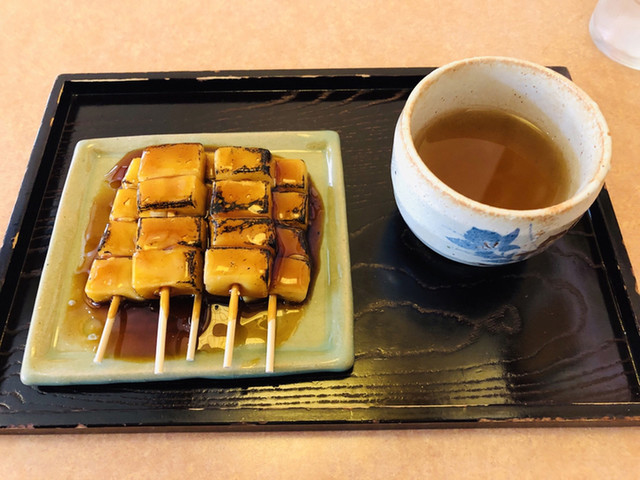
<point x="474" y="233"/>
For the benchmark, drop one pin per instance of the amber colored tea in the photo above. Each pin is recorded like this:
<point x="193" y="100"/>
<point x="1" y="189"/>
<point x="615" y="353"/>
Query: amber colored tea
<point x="496" y="158"/>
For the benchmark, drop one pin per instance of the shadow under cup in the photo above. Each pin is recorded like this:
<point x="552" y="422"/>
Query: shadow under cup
<point x="474" y="233"/>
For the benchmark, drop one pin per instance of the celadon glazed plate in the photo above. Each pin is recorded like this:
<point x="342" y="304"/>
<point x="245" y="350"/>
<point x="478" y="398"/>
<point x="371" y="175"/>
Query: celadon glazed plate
<point x="60" y="351"/>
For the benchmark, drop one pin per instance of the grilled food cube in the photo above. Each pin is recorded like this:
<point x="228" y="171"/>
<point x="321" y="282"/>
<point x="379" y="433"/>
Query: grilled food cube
<point x="239" y="163"/>
<point x="109" y="277"/>
<point x="179" y="268"/>
<point x="291" y="174"/>
<point x="291" y="208"/>
<point x="249" y="268"/>
<point x="291" y="278"/>
<point x="172" y="160"/>
<point x="162" y="233"/>
<point x="243" y="198"/>
<point x="125" y="206"/>
<point x="118" y="239"/>
<point x="242" y="232"/>
<point x="292" y="242"/>
<point x="130" y="179"/>
<point x="161" y="197"/>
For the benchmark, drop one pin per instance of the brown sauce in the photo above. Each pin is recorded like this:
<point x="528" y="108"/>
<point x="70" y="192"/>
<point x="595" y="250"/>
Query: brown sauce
<point x="133" y="336"/>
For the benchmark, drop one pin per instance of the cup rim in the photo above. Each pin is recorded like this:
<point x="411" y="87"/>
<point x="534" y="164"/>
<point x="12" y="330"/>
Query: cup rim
<point x="588" y="191"/>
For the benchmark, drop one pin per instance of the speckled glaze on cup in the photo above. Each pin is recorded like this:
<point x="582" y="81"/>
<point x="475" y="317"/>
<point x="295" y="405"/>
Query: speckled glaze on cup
<point x="474" y="233"/>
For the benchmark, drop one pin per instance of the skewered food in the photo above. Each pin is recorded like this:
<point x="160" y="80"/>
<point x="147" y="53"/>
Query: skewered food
<point x="292" y="267"/>
<point x="241" y="190"/>
<point x="248" y="268"/>
<point x="167" y="232"/>
<point x="292" y="242"/>
<point x="165" y="196"/>
<point x="291" y="174"/>
<point x="238" y="163"/>
<point x="109" y="277"/>
<point x="159" y="242"/>
<point x="178" y="268"/>
<point x="241" y="198"/>
<point x="171" y="185"/>
<point x="130" y="179"/>
<point x="118" y="239"/>
<point x="243" y="232"/>
<point x="179" y="159"/>
<point x="291" y="277"/>
<point x="291" y="208"/>
<point x="125" y="205"/>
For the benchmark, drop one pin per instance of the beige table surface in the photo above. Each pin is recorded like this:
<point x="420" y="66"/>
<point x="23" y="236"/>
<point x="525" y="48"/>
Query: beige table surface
<point x="39" y="40"/>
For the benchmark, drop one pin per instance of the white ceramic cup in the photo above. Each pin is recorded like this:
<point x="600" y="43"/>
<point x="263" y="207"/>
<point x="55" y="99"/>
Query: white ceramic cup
<point x="474" y="233"/>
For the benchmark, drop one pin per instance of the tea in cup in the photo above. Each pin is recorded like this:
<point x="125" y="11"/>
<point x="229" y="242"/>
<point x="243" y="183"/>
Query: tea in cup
<point x="494" y="158"/>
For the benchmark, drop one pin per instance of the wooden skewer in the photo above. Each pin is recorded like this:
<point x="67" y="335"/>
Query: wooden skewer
<point x="231" y="326"/>
<point x="163" y="316"/>
<point x="106" y="331"/>
<point x="272" y="311"/>
<point x="195" y="323"/>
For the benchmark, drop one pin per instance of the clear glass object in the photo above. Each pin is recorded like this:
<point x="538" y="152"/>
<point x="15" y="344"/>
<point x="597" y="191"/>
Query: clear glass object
<point x="615" y="29"/>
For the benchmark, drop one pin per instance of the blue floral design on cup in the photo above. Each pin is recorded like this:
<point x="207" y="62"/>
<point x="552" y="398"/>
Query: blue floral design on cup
<point x="491" y="246"/>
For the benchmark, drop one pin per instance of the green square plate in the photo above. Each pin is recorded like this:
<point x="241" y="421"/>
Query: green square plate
<point x="322" y="339"/>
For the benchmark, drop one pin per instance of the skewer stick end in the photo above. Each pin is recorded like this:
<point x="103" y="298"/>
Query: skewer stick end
<point x="106" y="331"/>
<point x="231" y="326"/>
<point x="195" y="324"/>
<point x="272" y="311"/>
<point x="163" y="315"/>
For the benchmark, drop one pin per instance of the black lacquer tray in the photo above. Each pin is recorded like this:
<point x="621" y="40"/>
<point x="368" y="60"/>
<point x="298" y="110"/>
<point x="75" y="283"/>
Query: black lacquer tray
<point x="553" y="340"/>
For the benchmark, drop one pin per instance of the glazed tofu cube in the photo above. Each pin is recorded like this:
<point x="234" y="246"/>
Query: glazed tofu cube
<point x="179" y="268"/>
<point x="239" y="163"/>
<point x="118" y="239"/>
<point x="290" y="208"/>
<point x="161" y="197"/>
<point x="130" y="179"/>
<point x="291" y="277"/>
<point x="249" y="268"/>
<point x="243" y="198"/>
<point x="109" y="277"/>
<point x="242" y="232"/>
<point x="161" y="233"/>
<point x="291" y="242"/>
<point x="125" y="205"/>
<point x="172" y="160"/>
<point x="291" y="174"/>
